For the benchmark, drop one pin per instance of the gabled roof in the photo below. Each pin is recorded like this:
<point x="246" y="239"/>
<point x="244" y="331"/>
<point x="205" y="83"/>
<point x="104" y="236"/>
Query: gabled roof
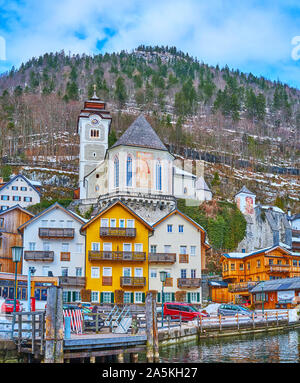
<point x="56" y="205"/>
<point x="16" y="207"/>
<point x="175" y="211"/>
<point x="24" y="178"/>
<point x="265" y="250"/>
<point x="140" y="133"/>
<point x="245" y="190"/>
<point x="201" y="184"/>
<point x="117" y="202"/>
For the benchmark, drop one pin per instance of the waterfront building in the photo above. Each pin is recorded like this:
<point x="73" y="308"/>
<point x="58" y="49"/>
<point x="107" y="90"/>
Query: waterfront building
<point x="278" y="293"/>
<point x="242" y="271"/>
<point x="54" y="245"/>
<point x="19" y="190"/>
<point x="10" y="220"/>
<point x="117" y="241"/>
<point x="39" y="286"/>
<point x="178" y="247"/>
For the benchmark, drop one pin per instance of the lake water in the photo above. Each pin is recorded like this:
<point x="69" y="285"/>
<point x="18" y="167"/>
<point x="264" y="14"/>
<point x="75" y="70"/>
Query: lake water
<point x="281" y="347"/>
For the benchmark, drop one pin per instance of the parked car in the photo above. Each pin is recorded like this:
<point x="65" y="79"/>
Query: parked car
<point x="185" y="310"/>
<point x="227" y="310"/>
<point x="8" y="306"/>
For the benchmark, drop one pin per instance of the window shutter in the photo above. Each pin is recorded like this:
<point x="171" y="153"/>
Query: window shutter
<point x="73" y="296"/>
<point x="101" y="297"/>
<point x="143" y="297"/>
<point x="112" y="298"/>
<point x="189" y="297"/>
<point x="69" y="296"/>
<point x="158" y="297"/>
<point x="132" y="297"/>
<point x="198" y="297"/>
<point x="173" y="297"/>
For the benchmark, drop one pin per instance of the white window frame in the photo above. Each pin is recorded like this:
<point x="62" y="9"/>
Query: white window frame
<point x="77" y="273"/>
<point x="104" y="222"/>
<point x="153" y="273"/>
<point x="130" y="245"/>
<point x="65" y="269"/>
<point x="127" y="294"/>
<point x="128" y="223"/>
<point x="93" y="294"/>
<point x="113" y="222"/>
<point x="107" y="272"/>
<point x="193" y="293"/>
<point x="135" y="297"/>
<point x="122" y="223"/>
<point x="193" y="254"/>
<point x="138" y="245"/>
<point x="65" y="247"/>
<point x="106" y="293"/>
<point x="107" y="246"/>
<point x="127" y="268"/>
<point x="139" y="269"/>
<point x="95" y="275"/>
<point x="95" y="245"/>
<point x="32" y="246"/>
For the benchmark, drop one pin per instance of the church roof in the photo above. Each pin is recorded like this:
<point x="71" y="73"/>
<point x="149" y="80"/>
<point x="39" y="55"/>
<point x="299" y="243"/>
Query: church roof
<point x="201" y="184"/>
<point x="140" y="133"/>
<point x="245" y="190"/>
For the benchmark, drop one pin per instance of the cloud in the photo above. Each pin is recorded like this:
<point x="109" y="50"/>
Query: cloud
<point x="224" y="32"/>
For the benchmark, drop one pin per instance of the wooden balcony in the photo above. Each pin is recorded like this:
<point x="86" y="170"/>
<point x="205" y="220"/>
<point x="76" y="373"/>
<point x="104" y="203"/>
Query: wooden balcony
<point x="106" y="281"/>
<point x="183" y="258"/>
<point x="56" y="233"/>
<point x="278" y="268"/>
<point x="188" y="282"/>
<point x="65" y="256"/>
<point x="72" y="281"/>
<point x="43" y="256"/>
<point x="128" y="232"/>
<point x="169" y="282"/>
<point x="162" y="258"/>
<point x="135" y="256"/>
<point x="242" y="286"/>
<point x="132" y="281"/>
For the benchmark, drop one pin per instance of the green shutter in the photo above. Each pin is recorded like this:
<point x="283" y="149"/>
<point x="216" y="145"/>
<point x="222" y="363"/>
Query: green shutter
<point x="158" y="297"/>
<point x="173" y="297"/>
<point x="101" y="297"/>
<point x="189" y="297"/>
<point x="198" y="297"/>
<point x="132" y="297"/>
<point x="69" y="296"/>
<point x="73" y="296"/>
<point x="143" y="297"/>
<point x="112" y="298"/>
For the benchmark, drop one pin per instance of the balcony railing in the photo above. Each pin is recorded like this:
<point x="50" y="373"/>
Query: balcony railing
<point x="162" y="258"/>
<point x="242" y="286"/>
<point x="45" y="256"/>
<point x="133" y="281"/>
<point x="189" y="282"/>
<point x="183" y="258"/>
<point x="117" y="256"/>
<point x="278" y="268"/>
<point x="117" y="232"/>
<point x="65" y="233"/>
<point x="72" y="281"/>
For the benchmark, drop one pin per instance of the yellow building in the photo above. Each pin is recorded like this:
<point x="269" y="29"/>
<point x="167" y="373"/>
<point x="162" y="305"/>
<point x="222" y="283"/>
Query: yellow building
<point x="117" y="255"/>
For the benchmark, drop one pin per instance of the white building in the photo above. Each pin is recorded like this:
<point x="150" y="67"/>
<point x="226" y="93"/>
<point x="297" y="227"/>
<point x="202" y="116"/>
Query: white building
<point x="54" y="246"/>
<point x="138" y="167"/>
<point x="177" y="246"/>
<point x="19" y="191"/>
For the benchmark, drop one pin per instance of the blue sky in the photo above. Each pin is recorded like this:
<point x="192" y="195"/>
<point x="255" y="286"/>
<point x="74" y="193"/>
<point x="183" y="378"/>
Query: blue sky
<point x="250" y="35"/>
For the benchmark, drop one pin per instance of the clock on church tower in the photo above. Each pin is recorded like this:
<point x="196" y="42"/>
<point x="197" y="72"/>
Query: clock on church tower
<point x="93" y="128"/>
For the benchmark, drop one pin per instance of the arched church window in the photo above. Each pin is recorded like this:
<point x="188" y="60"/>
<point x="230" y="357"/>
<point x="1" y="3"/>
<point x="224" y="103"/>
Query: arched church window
<point x="158" y="175"/>
<point x="116" y="172"/>
<point x="129" y="171"/>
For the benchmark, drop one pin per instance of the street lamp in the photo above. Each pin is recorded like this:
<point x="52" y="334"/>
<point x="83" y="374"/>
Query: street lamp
<point x="16" y="257"/>
<point x="163" y="276"/>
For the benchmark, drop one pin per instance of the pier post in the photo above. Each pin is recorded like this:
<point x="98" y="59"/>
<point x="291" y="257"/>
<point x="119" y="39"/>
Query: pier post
<point x="152" y="350"/>
<point x="54" y="336"/>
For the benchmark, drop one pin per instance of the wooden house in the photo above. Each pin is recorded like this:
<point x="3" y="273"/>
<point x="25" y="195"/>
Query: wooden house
<point x="10" y="220"/>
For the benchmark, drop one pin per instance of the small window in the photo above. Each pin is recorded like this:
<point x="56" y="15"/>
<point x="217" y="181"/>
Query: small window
<point x="180" y="228"/>
<point x="78" y="271"/>
<point x="95" y="272"/>
<point x="232" y="266"/>
<point x="1" y="222"/>
<point x="64" y="271"/>
<point x="14" y="187"/>
<point x="95" y="246"/>
<point x="153" y="248"/>
<point x="169" y="228"/>
<point x="193" y="251"/>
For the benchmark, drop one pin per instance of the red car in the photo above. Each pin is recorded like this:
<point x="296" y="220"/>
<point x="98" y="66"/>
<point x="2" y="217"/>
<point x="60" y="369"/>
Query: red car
<point x="8" y="306"/>
<point x="185" y="310"/>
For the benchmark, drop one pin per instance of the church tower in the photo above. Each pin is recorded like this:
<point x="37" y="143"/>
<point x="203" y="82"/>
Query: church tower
<point x="93" y="127"/>
<point x="245" y="201"/>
